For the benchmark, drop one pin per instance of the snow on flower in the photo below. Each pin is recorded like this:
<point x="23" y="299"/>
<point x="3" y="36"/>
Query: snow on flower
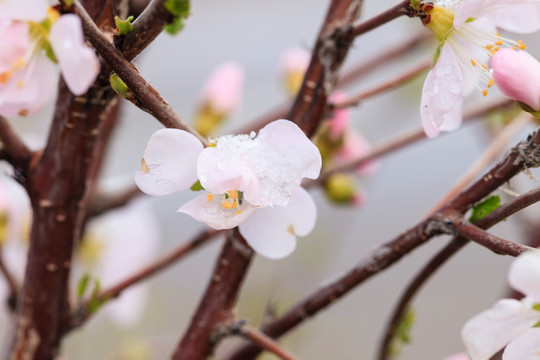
<point x="250" y="182"/>
<point x="292" y="66"/>
<point x="467" y="32"/>
<point x="517" y="75"/>
<point x="33" y="37"/>
<point x="510" y="322"/>
<point x="115" y="246"/>
<point x="220" y="96"/>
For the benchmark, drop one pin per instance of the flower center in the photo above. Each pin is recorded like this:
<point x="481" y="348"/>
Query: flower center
<point x="231" y="200"/>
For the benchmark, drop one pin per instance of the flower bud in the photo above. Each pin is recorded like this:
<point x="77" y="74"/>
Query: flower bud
<point x="517" y="75"/>
<point x="293" y="65"/>
<point x="341" y="189"/>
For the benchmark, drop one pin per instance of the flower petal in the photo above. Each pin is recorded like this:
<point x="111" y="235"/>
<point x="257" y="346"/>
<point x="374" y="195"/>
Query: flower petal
<point x="78" y="63"/>
<point x="489" y="331"/>
<point x="14" y="44"/>
<point x="468" y="9"/>
<point x="214" y="215"/>
<point x="524" y="274"/>
<point x="521" y="17"/>
<point x="524" y="347"/>
<point x="219" y="172"/>
<point x="169" y="162"/>
<point x="32" y="10"/>
<point x="442" y="95"/>
<point x="517" y="75"/>
<point x="223" y="89"/>
<point x="271" y="231"/>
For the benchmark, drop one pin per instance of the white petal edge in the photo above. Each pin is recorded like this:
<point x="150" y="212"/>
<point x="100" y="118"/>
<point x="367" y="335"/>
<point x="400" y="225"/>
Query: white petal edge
<point x="524" y="347"/>
<point x="271" y="231"/>
<point x="524" y="274"/>
<point x="442" y="95"/>
<point x="488" y="332"/>
<point x="78" y="63"/>
<point x="169" y="162"/>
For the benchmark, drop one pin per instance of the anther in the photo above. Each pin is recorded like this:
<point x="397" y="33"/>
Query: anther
<point x="490" y="82"/>
<point x="210" y="197"/>
<point x="238" y="212"/>
<point x="473" y="62"/>
<point x="226" y="204"/>
<point x="484" y="92"/>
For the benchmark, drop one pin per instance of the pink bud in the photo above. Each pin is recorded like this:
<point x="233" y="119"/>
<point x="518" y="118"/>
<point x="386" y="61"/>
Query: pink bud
<point x="340" y="121"/>
<point x="223" y="89"/>
<point x="517" y="75"/>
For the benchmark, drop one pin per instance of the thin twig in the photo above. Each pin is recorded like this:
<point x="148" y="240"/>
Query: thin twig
<point x="492" y="242"/>
<point x="143" y="91"/>
<point x="392" y="83"/>
<point x="394" y="12"/>
<point x="14" y="149"/>
<point x="103" y="203"/>
<point x="266" y="342"/>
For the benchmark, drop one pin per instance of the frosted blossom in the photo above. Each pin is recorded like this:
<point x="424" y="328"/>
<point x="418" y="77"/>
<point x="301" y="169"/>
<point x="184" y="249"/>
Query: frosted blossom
<point x="243" y="177"/>
<point x="32" y="35"/>
<point x="467" y="32"/>
<point x="509" y="321"/>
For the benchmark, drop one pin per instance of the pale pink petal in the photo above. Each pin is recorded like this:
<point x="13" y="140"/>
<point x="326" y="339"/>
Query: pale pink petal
<point x="442" y="95"/>
<point x="294" y="60"/>
<point x="14" y="44"/>
<point x="354" y="147"/>
<point x="33" y="10"/>
<point x="223" y="88"/>
<point x="468" y="9"/>
<point x="524" y="274"/>
<point x="488" y="332"/>
<point x="126" y="310"/>
<point x="340" y="119"/>
<point x="516" y="16"/>
<point x="460" y="356"/>
<point x="78" y="63"/>
<point x="271" y="231"/>
<point x="29" y="89"/>
<point x="524" y="347"/>
<point x="213" y="214"/>
<point x="517" y="75"/>
<point x="169" y="162"/>
<point x="219" y="172"/>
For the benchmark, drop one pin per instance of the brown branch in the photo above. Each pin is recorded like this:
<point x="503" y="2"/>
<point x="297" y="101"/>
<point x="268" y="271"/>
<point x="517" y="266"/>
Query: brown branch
<point x="402" y="8"/>
<point x="494" y="243"/>
<point x="265" y="342"/>
<point x="400" y="80"/>
<point x="216" y="309"/>
<point x="501" y="213"/>
<point x="146" y="95"/>
<point x="524" y="154"/>
<point x="146" y="28"/>
<point x="103" y="203"/>
<point x="329" y="52"/>
<point x="161" y="264"/>
<point x="13" y="148"/>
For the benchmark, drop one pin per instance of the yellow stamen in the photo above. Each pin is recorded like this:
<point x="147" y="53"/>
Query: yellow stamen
<point x="489" y="46"/>
<point x="234" y="204"/>
<point x="226" y="204"/>
<point x="290" y="229"/>
<point x="490" y="82"/>
<point x="499" y="35"/>
<point x="473" y="62"/>
<point x="498" y="42"/>
<point x="52" y="14"/>
<point x="522" y="46"/>
<point x="210" y="197"/>
<point x="484" y="92"/>
<point x="233" y="194"/>
<point x="4" y="77"/>
<point x="238" y="212"/>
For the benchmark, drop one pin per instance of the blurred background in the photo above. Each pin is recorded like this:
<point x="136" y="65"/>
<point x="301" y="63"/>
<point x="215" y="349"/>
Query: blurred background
<point x="406" y="186"/>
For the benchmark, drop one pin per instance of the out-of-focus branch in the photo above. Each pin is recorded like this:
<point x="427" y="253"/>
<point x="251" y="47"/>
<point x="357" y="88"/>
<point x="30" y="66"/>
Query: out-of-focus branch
<point x="216" y="309"/>
<point x="490" y="241"/>
<point x="13" y="148"/>
<point x="265" y="342"/>
<point x="147" y="272"/>
<point x="146" y="28"/>
<point x="149" y="98"/>
<point x="525" y="154"/>
<point x="329" y="52"/>
<point x="103" y="203"/>
<point x="400" y="80"/>
<point x="402" y="8"/>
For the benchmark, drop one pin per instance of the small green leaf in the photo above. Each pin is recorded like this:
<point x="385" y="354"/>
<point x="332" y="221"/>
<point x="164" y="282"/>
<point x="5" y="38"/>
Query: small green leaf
<point x="402" y="335"/>
<point x="95" y="303"/>
<point x="470" y="19"/>
<point x="124" y="26"/>
<point x="415" y="4"/>
<point x="197" y="186"/>
<point x="177" y="7"/>
<point x="175" y="27"/>
<point x="82" y="285"/>
<point x="119" y="86"/>
<point x="482" y="209"/>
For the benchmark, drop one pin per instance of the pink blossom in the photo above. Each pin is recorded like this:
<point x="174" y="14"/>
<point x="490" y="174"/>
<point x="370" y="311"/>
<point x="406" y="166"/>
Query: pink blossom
<point x="509" y="321"/>
<point x="517" y="75"/>
<point x="27" y="76"/>
<point x="467" y="33"/>
<point x="222" y="91"/>
<point x="250" y="182"/>
<point x="292" y="67"/>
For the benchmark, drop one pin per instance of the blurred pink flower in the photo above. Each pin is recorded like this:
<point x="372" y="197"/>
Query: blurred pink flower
<point x="250" y="182"/>
<point x="27" y="76"/>
<point x="222" y="91"/>
<point x="292" y="67"/>
<point x="517" y="75"/>
<point x="467" y="32"/>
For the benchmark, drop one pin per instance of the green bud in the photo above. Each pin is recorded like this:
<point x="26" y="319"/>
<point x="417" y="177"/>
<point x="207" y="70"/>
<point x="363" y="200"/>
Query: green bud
<point x="485" y="207"/>
<point x="123" y="26"/>
<point x="120" y="86"/>
<point x="340" y="188"/>
<point x="180" y="10"/>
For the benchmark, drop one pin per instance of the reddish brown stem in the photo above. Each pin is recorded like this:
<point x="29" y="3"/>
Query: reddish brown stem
<point x="13" y="148"/>
<point x="216" y="309"/>
<point x="490" y="241"/>
<point x="394" y="12"/>
<point x="266" y="342"/>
